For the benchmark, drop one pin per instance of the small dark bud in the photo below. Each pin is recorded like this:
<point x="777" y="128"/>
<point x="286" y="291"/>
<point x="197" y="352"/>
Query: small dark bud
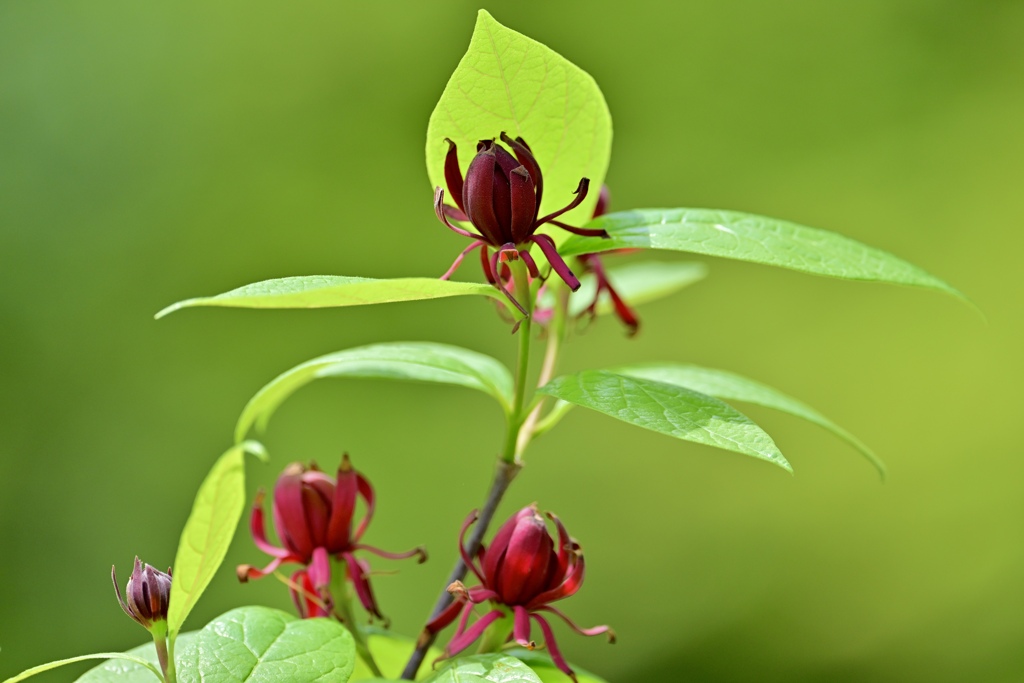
<point x="148" y="594"/>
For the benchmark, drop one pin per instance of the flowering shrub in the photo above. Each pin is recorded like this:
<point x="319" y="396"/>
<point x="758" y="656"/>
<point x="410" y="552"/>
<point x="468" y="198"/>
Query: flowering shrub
<point x="507" y="205"/>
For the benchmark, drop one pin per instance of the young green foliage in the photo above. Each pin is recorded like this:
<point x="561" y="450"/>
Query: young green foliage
<point x="330" y="291"/>
<point x="667" y="409"/>
<point x="492" y="668"/>
<point x="746" y="237"/>
<point x="259" y="644"/>
<point x="409" y="361"/>
<point x="729" y="386"/>
<point x="509" y="82"/>
<point x="208" y="531"/>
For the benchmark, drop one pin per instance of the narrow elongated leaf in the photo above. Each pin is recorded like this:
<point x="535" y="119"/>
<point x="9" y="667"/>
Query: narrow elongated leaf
<point x="637" y="283"/>
<point x="410" y="361"/>
<point x="263" y="645"/>
<point x="329" y="291"/>
<point x="667" y="409"/>
<point x="508" y="82"/>
<point x="546" y="670"/>
<point x="208" y="531"/>
<point x="732" y="387"/>
<point x="132" y="671"/>
<point x="150" y="669"/>
<point x="746" y="237"/>
<point x="494" y="668"/>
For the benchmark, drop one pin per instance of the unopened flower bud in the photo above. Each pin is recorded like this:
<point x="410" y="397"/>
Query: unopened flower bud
<point x="148" y="594"/>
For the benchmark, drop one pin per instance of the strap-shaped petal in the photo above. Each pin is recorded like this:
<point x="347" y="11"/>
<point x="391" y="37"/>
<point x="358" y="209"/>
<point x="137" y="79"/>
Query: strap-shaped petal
<point x="453" y="174"/>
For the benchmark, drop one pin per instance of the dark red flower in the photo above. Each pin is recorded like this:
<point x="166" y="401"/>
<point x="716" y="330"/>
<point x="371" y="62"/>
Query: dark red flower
<point x="501" y="197"/>
<point x="148" y="592"/>
<point x="525" y="571"/>
<point x="313" y="517"/>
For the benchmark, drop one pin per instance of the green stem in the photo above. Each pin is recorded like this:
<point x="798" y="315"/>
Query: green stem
<point x="342" y="610"/>
<point x="556" y="335"/>
<point x="525" y="298"/>
<point x="164" y="650"/>
<point x="508" y="465"/>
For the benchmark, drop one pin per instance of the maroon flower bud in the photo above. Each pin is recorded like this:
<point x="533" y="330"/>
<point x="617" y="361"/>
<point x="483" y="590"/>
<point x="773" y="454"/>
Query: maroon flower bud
<point x="524" y="569"/>
<point x="148" y="592"/>
<point x="501" y="197"/>
<point x="314" y="516"/>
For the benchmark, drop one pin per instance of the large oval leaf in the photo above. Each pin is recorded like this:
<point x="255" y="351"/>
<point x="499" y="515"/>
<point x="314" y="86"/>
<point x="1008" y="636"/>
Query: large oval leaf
<point x="410" y="361"/>
<point x="263" y="645"/>
<point x="508" y="82"/>
<point x="746" y="237"/>
<point x="208" y="531"/>
<point x="328" y="291"/>
<point x="637" y="283"/>
<point x="667" y="409"/>
<point x="729" y="386"/>
<point x="494" y="668"/>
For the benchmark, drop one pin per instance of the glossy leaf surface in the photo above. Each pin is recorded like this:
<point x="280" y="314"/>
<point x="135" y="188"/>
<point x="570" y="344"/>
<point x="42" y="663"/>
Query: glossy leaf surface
<point x="746" y="237"/>
<point x="263" y="645"/>
<point x="729" y="386"/>
<point x="329" y="291"/>
<point x="509" y="82"/>
<point x="409" y="361"/>
<point x="494" y="668"/>
<point x="208" y="531"/>
<point x="667" y="409"/>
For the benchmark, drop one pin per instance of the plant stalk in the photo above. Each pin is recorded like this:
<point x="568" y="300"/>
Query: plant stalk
<point x="164" y="651"/>
<point x="507" y="469"/>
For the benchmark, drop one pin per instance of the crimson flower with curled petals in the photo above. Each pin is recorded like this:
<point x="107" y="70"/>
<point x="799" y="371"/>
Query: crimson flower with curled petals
<point x="313" y="516"/>
<point x="500" y="196"/>
<point x="524" y="571"/>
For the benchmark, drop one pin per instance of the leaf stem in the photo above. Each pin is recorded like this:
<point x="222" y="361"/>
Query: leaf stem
<point x="508" y="465"/>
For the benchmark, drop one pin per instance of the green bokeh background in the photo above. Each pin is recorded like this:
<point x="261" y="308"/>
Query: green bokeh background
<point x="154" y="151"/>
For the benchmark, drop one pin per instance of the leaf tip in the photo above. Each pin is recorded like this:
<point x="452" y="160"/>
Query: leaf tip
<point x="167" y="310"/>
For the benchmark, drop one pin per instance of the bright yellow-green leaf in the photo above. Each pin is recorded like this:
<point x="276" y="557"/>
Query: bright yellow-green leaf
<point x="746" y="237"/>
<point x="208" y="531"/>
<point x="329" y="291"/>
<point x="508" y="82"/>
<point x="409" y="361"/>
<point x="668" y="409"/>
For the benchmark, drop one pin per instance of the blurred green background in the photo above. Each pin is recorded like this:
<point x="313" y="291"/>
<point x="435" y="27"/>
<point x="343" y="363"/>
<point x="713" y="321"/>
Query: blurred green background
<point x="154" y="151"/>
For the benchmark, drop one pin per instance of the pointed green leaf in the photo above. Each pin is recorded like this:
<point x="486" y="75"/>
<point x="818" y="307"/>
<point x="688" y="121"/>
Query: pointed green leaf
<point x="132" y="671"/>
<point x="208" y="531"/>
<point x="494" y="668"/>
<point x="745" y="237"/>
<point x="637" y="283"/>
<point x="329" y="291"/>
<point x="732" y="387"/>
<point x="263" y="645"/>
<point x="410" y="361"/>
<point x="668" y="409"/>
<point x="508" y="82"/>
<point x="142" y="664"/>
